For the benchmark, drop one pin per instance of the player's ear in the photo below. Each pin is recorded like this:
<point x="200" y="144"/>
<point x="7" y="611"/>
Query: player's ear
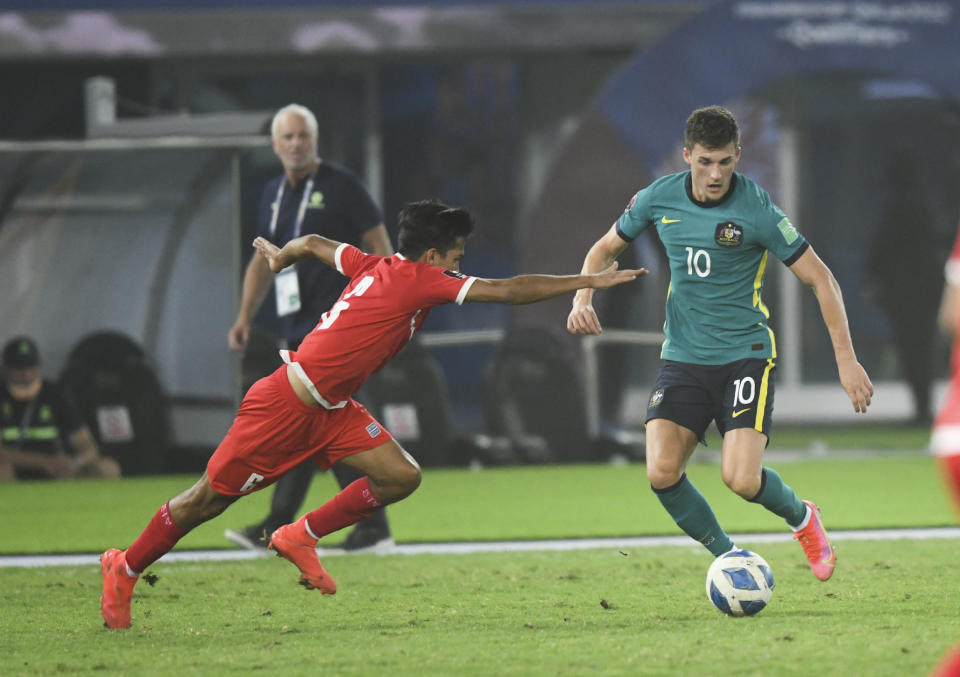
<point x="431" y="256"/>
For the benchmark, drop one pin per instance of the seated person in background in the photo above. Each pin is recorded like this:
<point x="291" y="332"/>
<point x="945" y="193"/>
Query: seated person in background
<point x="41" y="433"/>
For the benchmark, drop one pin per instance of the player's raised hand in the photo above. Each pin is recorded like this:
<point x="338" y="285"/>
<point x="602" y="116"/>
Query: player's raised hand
<point x="612" y="276"/>
<point x="270" y="252"/>
<point x="583" y="318"/>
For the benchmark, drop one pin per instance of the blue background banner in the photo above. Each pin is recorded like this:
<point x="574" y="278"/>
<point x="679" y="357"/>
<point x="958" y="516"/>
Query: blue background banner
<point x="763" y="42"/>
<point x="141" y="5"/>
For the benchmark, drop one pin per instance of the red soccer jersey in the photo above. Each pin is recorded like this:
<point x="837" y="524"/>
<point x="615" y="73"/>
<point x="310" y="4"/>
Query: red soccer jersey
<point x="387" y="300"/>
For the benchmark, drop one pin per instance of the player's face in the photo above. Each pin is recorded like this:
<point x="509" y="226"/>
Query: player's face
<point x="23" y="383"/>
<point x="711" y="170"/>
<point x="294" y="144"/>
<point x="451" y="258"/>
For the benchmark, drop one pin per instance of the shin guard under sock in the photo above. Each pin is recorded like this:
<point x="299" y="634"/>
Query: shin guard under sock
<point x="355" y="502"/>
<point x="690" y="510"/>
<point x="156" y="541"/>
<point x="779" y="498"/>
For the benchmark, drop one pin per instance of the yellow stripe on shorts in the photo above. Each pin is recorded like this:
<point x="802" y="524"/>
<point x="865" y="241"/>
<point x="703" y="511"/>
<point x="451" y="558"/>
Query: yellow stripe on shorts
<point x="762" y="401"/>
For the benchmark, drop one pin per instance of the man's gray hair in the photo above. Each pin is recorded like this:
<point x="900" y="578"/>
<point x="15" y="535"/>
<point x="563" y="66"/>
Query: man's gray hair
<point x="297" y="109"/>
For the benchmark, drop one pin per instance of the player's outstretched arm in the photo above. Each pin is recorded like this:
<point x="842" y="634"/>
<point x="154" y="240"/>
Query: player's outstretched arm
<point x="813" y="272"/>
<point x="583" y="318"/>
<point x="303" y="247"/>
<point x="530" y="288"/>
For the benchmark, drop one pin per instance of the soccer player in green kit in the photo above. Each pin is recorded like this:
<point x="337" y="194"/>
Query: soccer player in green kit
<point x="719" y="228"/>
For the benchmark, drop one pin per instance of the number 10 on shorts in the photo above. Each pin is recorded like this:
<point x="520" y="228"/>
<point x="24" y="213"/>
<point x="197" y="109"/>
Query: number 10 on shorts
<point x="744" y="390"/>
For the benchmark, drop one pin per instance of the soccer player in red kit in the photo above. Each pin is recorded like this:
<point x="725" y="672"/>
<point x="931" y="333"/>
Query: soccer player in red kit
<point x="306" y="408"/>
<point x="945" y="442"/>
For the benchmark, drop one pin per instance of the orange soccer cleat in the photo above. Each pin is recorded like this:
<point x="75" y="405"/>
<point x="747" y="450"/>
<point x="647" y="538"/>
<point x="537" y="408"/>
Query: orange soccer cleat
<point x="117" y="589"/>
<point x="293" y="543"/>
<point x="816" y="544"/>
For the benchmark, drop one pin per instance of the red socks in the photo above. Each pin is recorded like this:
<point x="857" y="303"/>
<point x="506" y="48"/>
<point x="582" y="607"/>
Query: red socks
<point x="156" y="541"/>
<point x="950" y="469"/>
<point x="351" y="505"/>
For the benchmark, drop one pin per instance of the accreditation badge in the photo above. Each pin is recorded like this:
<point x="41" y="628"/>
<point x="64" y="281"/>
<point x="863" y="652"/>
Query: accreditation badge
<point x="287" y="288"/>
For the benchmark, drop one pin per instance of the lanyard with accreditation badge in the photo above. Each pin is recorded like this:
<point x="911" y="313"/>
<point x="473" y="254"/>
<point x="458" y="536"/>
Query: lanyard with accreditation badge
<point x="287" y="286"/>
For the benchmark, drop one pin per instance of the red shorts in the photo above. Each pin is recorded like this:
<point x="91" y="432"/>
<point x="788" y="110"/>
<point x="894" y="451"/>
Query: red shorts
<point x="946" y="428"/>
<point x="274" y="431"/>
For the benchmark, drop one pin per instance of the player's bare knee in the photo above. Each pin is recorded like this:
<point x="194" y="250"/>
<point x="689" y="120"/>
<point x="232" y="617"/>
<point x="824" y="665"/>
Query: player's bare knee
<point x="395" y="484"/>
<point x="661" y="477"/>
<point x="409" y="479"/>
<point x="744" y="485"/>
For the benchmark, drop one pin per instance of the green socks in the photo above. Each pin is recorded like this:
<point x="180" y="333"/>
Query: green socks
<point x="690" y="510"/>
<point x="779" y="498"/>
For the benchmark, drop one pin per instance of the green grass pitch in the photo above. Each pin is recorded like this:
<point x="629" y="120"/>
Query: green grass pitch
<point x="889" y="610"/>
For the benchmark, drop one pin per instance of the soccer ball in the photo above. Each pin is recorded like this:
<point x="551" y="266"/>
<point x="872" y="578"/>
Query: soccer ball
<point x="739" y="583"/>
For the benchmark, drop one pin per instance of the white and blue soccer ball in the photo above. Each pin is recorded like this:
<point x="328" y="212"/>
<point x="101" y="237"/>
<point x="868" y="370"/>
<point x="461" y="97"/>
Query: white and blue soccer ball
<point x="740" y="583"/>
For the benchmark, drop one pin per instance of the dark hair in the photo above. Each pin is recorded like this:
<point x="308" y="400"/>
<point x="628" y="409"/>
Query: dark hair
<point x="430" y="224"/>
<point x="712" y="127"/>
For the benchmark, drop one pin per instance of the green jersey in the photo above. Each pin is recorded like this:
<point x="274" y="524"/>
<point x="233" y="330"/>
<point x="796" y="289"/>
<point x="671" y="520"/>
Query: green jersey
<point x="718" y="257"/>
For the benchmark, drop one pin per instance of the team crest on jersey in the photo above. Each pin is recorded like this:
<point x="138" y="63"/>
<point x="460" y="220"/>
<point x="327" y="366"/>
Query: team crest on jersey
<point x="454" y="274"/>
<point x="729" y="234"/>
<point x="656" y="398"/>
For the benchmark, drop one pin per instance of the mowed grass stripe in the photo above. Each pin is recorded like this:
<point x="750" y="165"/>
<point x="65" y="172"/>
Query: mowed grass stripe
<point x="517" y="503"/>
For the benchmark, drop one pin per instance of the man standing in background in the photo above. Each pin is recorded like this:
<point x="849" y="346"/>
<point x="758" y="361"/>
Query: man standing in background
<point x="311" y="196"/>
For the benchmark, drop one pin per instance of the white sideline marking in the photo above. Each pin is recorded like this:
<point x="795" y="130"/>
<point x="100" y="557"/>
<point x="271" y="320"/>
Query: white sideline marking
<point x="497" y="546"/>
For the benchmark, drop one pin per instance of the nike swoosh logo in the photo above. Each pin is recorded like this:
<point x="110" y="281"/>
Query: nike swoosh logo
<point x="737" y="413"/>
<point x="665" y="220"/>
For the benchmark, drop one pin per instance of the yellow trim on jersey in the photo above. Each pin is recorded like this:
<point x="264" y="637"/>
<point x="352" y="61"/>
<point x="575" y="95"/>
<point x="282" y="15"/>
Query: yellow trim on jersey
<point x="758" y="282"/>
<point x="762" y="401"/>
<point x="773" y="343"/>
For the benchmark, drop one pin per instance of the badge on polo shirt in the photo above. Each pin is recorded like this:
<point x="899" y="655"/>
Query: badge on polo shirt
<point x="287" y="288"/>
